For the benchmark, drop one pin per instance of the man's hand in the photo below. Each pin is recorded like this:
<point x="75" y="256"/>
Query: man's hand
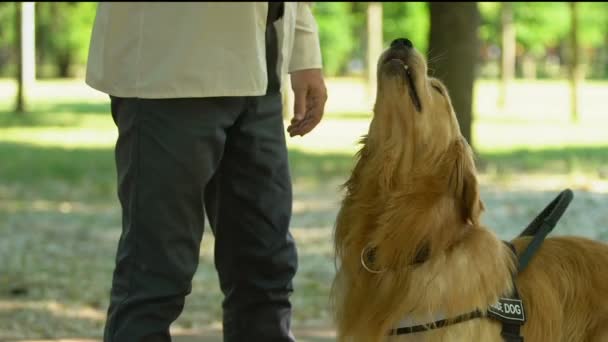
<point x="310" y="96"/>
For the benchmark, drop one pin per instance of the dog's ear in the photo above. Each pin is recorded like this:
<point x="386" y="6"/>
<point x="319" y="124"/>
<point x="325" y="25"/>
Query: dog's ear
<point x="463" y="183"/>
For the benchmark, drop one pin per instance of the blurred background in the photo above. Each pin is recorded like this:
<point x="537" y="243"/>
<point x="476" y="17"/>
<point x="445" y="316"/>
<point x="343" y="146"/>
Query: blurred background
<point x="529" y="81"/>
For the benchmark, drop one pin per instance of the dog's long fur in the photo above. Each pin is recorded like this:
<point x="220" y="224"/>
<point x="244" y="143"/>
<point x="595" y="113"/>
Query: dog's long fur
<point x="413" y="196"/>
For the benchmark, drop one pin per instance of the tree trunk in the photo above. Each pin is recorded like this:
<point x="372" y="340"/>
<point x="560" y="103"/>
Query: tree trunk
<point x="604" y="60"/>
<point x="374" y="45"/>
<point x="528" y="66"/>
<point x="63" y="65"/>
<point x="453" y="35"/>
<point x="508" y="52"/>
<point x="19" y="101"/>
<point x="25" y="53"/>
<point x="42" y="35"/>
<point x="574" y="65"/>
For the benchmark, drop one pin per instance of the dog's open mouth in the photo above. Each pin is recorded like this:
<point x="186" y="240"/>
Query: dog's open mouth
<point x="409" y="79"/>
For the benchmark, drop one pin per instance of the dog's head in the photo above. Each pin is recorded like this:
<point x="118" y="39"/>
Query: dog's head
<point x="420" y="103"/>
<point x="412" y="195"/>
<point x="417" y="130"/>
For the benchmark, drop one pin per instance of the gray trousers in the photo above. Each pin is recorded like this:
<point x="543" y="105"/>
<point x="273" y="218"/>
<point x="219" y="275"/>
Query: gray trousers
<point x="177" y="159"/>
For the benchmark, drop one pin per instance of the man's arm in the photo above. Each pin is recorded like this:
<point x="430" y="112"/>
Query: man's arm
<point x="305" y="68"/>
<point x="306" y="53"/>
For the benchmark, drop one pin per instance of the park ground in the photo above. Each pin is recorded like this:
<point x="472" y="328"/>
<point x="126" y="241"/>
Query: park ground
<point x="60" y="222"/>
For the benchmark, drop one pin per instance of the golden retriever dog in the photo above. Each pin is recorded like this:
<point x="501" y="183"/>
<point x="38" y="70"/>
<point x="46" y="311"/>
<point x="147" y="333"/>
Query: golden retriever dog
<point x="410" y="245"/>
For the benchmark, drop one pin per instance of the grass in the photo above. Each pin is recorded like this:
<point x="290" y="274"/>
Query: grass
<point x="60" y="220"/>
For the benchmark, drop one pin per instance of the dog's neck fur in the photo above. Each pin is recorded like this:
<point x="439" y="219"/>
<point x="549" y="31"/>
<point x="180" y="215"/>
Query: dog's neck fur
<point x="411" y="195"/>
<point x="412" y="209"/>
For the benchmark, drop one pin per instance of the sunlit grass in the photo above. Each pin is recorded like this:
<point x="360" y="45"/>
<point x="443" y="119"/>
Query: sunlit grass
<point x="60" y="137"/>
<point x="69" y="114"/>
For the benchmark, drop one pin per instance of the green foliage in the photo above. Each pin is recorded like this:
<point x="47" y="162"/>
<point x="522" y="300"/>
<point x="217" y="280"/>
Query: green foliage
<point x="539" y="25"/>
<point x="64" y="29"/>
<point x="406" y="20"/>
<point x="343" y="29"/>
<point x="546" y="24"/>
<point x="359" y="29"/>
<point x="7" y="26"/>
<point x="335" y="34"/>
<point x="489" y="27"/>
<point x="7" y="33"/>
<point x="593" y="22"/>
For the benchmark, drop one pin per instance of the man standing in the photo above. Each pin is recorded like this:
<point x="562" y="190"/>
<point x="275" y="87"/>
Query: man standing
<point x="195" y="94"/>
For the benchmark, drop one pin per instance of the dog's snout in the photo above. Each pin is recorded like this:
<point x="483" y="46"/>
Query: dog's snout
<point x="401" y="43"/>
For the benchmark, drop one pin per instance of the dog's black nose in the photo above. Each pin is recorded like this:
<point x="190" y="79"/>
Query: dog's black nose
<point x="401" y="42"/>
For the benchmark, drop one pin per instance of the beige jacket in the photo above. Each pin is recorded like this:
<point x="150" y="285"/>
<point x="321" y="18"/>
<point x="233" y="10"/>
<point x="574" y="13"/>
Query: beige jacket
<point x="195" y="49"/>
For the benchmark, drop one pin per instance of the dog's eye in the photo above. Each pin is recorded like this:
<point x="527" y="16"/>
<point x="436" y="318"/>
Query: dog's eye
<point x="438" y="89"/>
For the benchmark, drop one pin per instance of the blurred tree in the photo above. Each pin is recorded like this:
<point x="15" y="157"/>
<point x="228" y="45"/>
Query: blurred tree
<point x="26" y="52"/>
<point x="489" y="25"/>
<point x="490" y="36"/>
<point x="454" y="35"/>
<point x="538" y="25"/>
<point x="64" y="30"/>
<point x="592" y="30"/>
<point x="406" y="20"/>
<point x="20" y="100"/>
<point x="343" y="30"/>
<point x="574" y="73"/>
<point x="507" y="69"/>
<point x="7" y="36"/>
<point x="335" y="34"/>
<point x="592" y="37"/>
<point x="374" y="45"/>
<point x="543" y="28"/>
<point x="359" y="29"/>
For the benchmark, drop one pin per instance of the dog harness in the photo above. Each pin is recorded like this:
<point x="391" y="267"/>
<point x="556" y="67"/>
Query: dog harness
<point x="509" y="310"/>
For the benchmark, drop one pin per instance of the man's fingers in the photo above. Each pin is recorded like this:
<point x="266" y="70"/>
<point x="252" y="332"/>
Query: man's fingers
<point x="296" y="127"/>
<point x="309" y="105"/>
<point x="299" y="106"/>
<point x="308" y="126"/>
<point x="313" y="117"/>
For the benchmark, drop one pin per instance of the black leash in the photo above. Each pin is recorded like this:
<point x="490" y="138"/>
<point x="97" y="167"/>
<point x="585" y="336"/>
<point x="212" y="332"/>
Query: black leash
<point x="510" y="311"/>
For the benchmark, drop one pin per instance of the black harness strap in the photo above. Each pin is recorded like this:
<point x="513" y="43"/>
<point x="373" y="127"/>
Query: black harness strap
<point x="437" y="324"/>
<point x="510" y="333"/>
<point x="511" y="323"/>
<point x="542" y="225"/>
<point x="514" y="317"/>
<point x="539" y="228"/>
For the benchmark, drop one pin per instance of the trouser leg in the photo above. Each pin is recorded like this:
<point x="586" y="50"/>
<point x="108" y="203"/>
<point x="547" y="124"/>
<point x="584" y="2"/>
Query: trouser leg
<point x="166" y="152"/>
<point x="249" y="204"/>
